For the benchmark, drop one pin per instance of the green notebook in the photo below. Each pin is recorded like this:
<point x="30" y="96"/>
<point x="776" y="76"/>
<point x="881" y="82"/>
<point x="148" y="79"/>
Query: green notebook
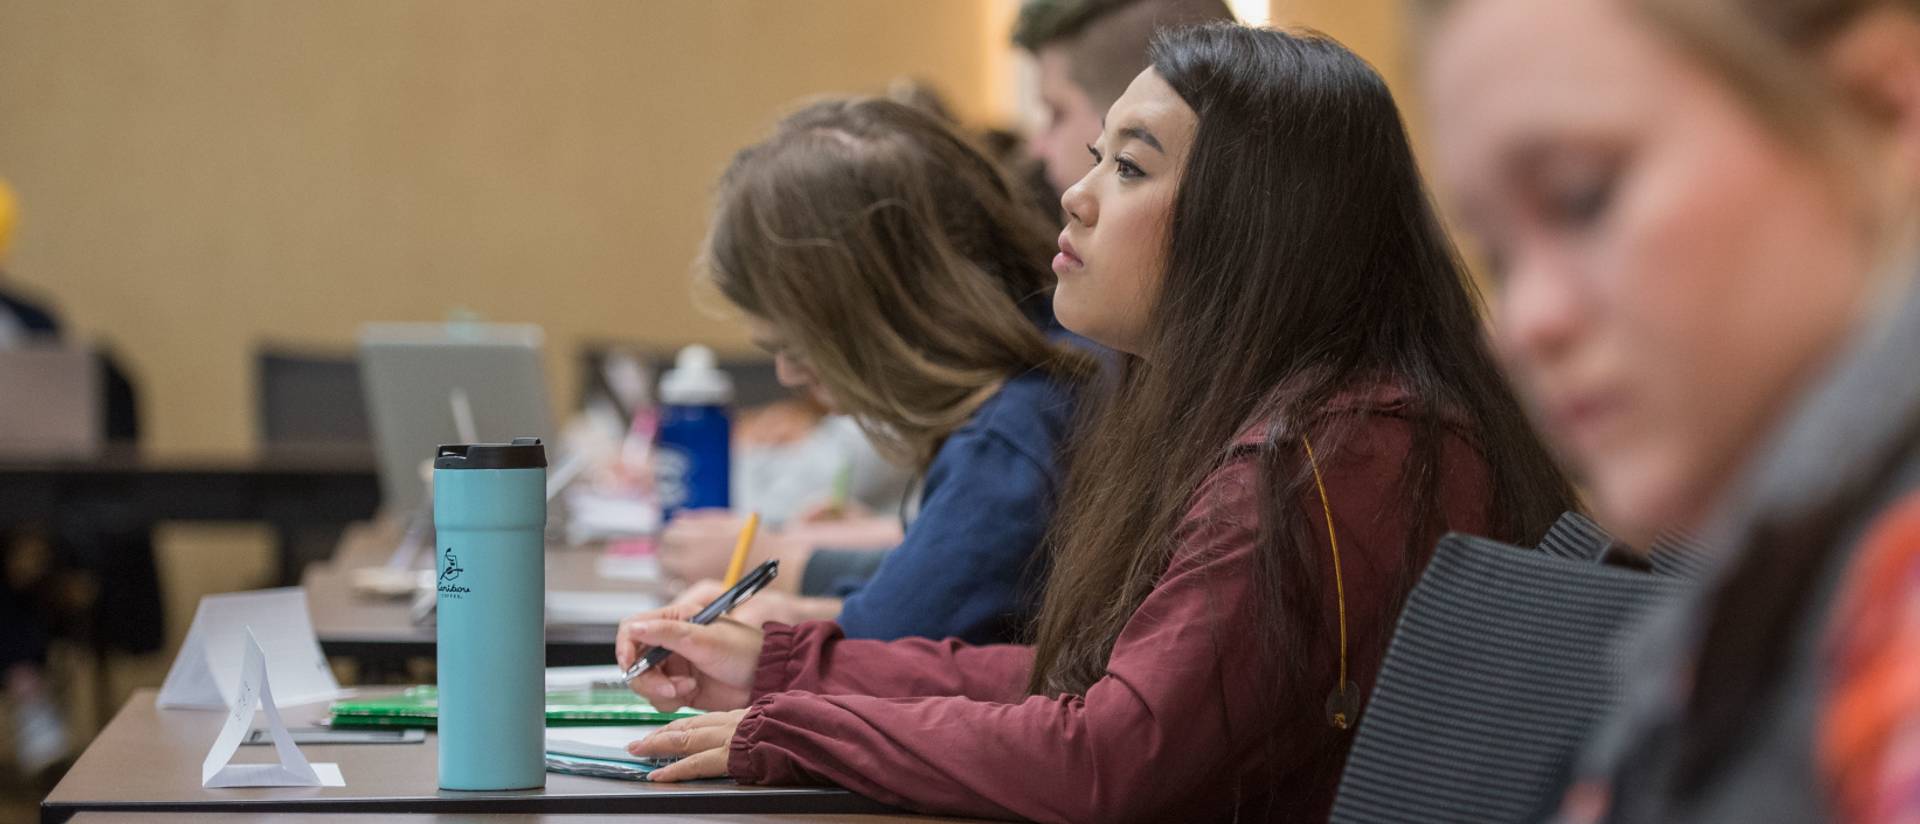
<point x="419" y="706"/>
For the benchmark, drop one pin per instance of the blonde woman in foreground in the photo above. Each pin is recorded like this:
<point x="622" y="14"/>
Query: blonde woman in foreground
<point x="1701" y="214"/>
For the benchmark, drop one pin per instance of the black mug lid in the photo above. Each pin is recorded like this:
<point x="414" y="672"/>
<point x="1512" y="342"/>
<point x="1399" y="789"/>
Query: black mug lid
<point x="523" y="453"/>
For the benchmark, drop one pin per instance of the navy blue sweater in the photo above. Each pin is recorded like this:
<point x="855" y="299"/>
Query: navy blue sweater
<point x="970" y="565"/>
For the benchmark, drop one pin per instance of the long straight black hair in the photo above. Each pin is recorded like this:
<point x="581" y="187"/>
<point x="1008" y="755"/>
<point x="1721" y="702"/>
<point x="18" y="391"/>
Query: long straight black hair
<point x="1304" y="259"/>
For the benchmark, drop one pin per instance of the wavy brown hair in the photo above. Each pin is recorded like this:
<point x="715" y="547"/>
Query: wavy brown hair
<point x="1303" y="260"/>
<point x="906" y="268"/>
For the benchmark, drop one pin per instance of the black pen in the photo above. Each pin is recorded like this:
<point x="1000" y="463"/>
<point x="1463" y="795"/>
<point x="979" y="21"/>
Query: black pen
<point x="749" y="584"/>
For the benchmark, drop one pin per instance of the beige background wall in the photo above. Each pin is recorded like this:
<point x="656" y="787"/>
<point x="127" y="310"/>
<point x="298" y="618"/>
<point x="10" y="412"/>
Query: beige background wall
<point x="1374" y="29"/>
<point x="198" y="176"/>
<point x="1371" y="28"/>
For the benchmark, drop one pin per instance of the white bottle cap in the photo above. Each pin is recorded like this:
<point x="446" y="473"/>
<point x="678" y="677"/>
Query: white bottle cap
<point x="696" y="380"/>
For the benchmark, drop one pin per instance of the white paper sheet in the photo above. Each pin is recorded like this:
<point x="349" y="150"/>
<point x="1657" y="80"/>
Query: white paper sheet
<point x="628" y="567"/>
<point x="255" y="691"/>
<point x="206" y="674"/>
<point x="596" y="515"/>
<point x="596" y="608"/>
<point x="600" y="742"/>
<point x="565" y="678"/>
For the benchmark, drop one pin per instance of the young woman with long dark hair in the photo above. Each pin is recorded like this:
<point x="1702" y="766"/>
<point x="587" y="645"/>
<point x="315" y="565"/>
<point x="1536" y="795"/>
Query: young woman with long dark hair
<point x="1305" y="405"/>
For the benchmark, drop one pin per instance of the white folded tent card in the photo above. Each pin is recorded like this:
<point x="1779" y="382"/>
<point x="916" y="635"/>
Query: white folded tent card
<point x="206" y="674"/>
<point x="254" y="691"/>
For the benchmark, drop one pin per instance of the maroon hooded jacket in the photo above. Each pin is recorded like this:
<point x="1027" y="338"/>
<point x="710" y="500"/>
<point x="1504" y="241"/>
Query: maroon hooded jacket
<point x="1190" y="721"/>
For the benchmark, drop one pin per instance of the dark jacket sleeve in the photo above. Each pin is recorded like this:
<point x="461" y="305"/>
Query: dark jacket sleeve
<point x="840" y="572"/>
<point x="35" y="318"/>
<point x="965" y="566"/>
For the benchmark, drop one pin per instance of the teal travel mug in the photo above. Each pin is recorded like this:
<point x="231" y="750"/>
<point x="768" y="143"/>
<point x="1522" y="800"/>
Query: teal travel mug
<point x="490" y="516"/>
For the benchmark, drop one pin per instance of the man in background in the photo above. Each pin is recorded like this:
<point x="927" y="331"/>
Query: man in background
<point x="19" y="318"/>
<point x="42" y="566"/>
<point x="39" y="733"/>
<point x="1087" y="52"/>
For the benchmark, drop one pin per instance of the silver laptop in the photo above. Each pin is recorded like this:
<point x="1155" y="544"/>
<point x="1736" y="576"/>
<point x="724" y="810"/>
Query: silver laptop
<point x="49" y="403"/>
<point x="429" y="383"/>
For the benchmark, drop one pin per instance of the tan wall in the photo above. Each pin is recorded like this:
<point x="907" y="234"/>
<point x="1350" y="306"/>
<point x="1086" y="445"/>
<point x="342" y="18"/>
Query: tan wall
<point x="1374" y="29"/>
<point x="198" y="176"/>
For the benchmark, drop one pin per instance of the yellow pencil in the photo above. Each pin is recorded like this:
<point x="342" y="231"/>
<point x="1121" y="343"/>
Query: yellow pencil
<point x="739" y="563"/>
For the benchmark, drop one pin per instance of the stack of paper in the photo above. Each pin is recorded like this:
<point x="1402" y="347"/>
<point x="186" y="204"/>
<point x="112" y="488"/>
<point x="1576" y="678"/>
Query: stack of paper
<point x="601" y="752"/>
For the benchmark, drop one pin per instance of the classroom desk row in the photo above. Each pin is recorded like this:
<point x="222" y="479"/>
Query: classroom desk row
<point x="146" y="765"/>
<point x="495" y="818"/>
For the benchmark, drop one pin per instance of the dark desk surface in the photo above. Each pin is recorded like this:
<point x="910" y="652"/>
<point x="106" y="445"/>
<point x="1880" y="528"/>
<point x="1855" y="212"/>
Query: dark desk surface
<point x="147" y="760"/>
<point x="502" y="818"/>
<point x="353" y="625"/>
<point x="290" y="485"/>
<point x="126" y="459"/>
<point x="122" y="489"/>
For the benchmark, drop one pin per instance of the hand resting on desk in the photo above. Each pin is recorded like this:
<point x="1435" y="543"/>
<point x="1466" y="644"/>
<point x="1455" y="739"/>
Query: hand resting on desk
<point x="699" y="742"/>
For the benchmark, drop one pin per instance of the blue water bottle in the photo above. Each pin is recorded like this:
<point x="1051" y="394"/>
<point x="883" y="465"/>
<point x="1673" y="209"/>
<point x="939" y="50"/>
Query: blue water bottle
<point x="490" y="516"/>
<point x="693" y="459"/>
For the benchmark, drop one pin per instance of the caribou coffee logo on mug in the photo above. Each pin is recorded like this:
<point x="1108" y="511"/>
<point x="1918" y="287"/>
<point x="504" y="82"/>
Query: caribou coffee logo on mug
<point x="449" y="573"/>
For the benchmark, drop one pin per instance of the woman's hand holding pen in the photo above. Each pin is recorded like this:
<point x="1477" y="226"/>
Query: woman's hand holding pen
<point x="711" y="667"/>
